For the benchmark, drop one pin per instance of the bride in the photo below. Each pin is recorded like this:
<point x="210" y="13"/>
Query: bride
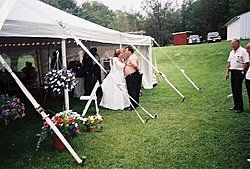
<point x="113" y="98"/>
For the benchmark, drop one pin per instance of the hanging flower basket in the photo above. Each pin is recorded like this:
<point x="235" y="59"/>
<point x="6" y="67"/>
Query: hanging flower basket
<point x="60" y="79"/>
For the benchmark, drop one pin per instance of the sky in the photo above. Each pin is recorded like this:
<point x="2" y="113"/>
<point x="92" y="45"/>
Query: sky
<point x="124" y="5"/>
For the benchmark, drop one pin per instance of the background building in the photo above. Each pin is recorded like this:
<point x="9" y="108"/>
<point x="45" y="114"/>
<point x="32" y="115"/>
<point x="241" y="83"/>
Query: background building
<point x="238" y="27"/>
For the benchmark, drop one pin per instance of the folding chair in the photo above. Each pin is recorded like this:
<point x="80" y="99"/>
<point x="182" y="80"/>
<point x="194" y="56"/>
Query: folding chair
<point x="90" y="98"/>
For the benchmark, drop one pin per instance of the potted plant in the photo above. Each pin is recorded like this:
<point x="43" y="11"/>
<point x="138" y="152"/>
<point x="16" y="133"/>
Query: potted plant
<point x="11" y="108"/>
<point x="59" y="79"/>
<point x="67" y="124"/>
<point x="93" y="122"/>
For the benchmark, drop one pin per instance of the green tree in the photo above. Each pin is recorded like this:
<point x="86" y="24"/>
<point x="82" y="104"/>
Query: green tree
<point x="68" y="6"/>
<point x="97" y="12"/>
<point x="118" y="20"/>
<point x="238" y="7"/>
<point x="180" y="16"/>
<point x="159" y="21"/>
<point x="204" y="16"/>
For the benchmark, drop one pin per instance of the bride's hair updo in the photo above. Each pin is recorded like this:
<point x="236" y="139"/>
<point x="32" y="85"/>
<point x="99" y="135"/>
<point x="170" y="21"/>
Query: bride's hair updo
<point x="117" y="52"/>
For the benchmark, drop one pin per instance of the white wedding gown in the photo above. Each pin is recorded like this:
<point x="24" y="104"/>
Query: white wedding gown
<point x="113" y="98"/>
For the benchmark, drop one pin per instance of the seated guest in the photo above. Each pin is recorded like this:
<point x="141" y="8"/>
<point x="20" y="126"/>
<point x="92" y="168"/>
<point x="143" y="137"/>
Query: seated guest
<point x="29" y="71"/>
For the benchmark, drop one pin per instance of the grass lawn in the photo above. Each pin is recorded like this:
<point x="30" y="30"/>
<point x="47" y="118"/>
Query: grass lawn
<point x="200" y="132"/>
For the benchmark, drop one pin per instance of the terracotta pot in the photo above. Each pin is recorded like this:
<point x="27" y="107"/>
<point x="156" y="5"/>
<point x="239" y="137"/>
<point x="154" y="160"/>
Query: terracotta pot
<point x="58" y="144"/>
<point x="92" y="128"/>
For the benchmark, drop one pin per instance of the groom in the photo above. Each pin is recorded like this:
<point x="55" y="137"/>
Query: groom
<point x="133" y="76"/>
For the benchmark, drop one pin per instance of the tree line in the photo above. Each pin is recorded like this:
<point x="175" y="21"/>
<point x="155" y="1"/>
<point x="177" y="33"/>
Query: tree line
<point x="161" y="19"/>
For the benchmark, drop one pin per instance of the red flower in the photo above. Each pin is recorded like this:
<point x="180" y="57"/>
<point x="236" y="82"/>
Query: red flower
<point x="59" y="120"/>
<point x="71" y="121"/>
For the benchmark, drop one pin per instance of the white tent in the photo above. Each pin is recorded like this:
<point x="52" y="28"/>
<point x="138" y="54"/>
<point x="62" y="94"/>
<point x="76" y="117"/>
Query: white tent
<point x="33" y="27"/>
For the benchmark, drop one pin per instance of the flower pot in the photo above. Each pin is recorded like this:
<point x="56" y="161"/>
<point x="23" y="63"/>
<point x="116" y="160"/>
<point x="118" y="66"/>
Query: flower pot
<point x="58" y="144"/>
<point x="92" y="128"/>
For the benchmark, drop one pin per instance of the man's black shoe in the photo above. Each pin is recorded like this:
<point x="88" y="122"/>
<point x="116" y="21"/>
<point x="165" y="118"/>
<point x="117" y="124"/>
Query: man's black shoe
<point x="238" y="111"/>
<point x="232" y="108"/>
<point x="128" y="108"/>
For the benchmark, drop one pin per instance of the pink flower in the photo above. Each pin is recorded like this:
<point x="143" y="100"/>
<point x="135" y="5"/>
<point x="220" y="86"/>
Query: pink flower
<point x="6" y="122"/>
<point x="45" y="125"/>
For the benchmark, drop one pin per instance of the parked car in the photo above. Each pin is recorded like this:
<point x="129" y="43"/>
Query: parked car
<point x="213" y="37"/>
<point x="194" y="39"/>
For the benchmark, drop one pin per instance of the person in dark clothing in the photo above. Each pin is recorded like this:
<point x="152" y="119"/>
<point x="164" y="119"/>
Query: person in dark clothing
<point x="96" y="69"/>
<point x="30" y="73"/>
<point x="87" y="69"/>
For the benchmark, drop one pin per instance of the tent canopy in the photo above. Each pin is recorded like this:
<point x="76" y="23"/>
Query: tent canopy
<point x="33" y="18"/>
<point x="32" y="21"/>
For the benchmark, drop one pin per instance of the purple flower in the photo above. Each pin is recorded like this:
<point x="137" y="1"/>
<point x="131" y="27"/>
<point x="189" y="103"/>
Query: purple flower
<point x="45" y="125"/>
<point x="11" y="108"/>
<point x="58" y="79"/>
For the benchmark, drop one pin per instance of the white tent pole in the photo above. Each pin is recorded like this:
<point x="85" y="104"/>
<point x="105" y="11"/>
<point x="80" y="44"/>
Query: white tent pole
<point x="182" y="70"/>
<point x="64" y="63"/>
<point x="40" y="110"/>
<point x="162" y="74"/>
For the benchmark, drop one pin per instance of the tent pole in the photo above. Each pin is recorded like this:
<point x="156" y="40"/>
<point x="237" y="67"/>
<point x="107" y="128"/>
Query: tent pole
<point x="162" y="74"/>
<point x="64" y="63"/>
<point x="41" y="111"/>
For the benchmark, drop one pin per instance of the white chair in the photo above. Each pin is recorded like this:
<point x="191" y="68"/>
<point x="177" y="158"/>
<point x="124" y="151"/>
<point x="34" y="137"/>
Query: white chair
<point x="90" y="98"/>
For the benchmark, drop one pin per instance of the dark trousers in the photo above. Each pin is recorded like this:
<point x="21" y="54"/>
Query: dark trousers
<point x="248" y="89"/>
<point x="88" y="84"/>
<point x="236" y="84"/>
<point x="134" y="84"/>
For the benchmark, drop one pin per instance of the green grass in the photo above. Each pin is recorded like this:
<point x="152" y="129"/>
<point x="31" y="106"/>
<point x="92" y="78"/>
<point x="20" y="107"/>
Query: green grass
<point x="198" y="133"/>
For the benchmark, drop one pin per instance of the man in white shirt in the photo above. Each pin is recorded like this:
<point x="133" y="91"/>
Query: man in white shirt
<point x="237" y="64"/>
